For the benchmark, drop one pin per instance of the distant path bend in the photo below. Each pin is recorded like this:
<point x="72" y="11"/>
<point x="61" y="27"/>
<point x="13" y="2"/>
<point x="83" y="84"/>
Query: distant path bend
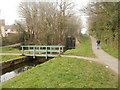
<point x="81" y="57"/>
<point x="104" y="57"/>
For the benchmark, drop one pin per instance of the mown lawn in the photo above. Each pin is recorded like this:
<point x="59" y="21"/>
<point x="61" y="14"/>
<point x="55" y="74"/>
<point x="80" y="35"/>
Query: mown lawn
<point x="13" y="50"/>
<point x="8" y="57"/>
<point x="109" y="50"/>
<point x="9" y="50"/>
<point x="84" y="49"/>
<point x="64" y="72"/>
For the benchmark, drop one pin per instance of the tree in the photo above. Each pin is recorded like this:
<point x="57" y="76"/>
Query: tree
<point x="48" y="23"/>
<point x="103" y="21"/>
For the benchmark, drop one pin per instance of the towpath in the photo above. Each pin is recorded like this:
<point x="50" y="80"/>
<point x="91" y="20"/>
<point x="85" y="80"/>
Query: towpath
<point x="102" y="57"/>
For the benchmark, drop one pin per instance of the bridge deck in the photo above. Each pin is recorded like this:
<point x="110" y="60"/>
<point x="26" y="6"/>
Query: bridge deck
<point x="38" y="55"/>
<point x="43" y="55"/>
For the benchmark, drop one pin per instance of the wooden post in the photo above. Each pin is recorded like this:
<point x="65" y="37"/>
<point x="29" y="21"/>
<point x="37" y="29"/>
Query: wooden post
<point x="46" y="52"/>
<point x="22" y="50"/>
<point x="29" y="49"/>
<point x="59" y="51"/>
<point x="50" y="50"/>
<point x="62" y="49"/>
<point x="34" y="53"/>
<point x="39" y="49"/>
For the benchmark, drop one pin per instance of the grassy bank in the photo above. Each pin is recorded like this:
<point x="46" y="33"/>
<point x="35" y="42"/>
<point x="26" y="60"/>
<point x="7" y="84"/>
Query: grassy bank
<point x="64" y="72"/>
<point x="12" y="50"/>
<point x="9" y="50"/>
<point x="109" y="50"/>
<point x="84" y="49"/>
<point x="13" y="45"/>
<point x="8" y="57"/>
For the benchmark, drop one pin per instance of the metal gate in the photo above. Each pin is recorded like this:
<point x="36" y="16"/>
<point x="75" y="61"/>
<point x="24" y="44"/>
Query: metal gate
<point x="70" y="43"/>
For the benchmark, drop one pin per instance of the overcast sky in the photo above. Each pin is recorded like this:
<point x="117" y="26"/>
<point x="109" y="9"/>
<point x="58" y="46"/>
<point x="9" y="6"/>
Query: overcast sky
<point x="9" y="9"/>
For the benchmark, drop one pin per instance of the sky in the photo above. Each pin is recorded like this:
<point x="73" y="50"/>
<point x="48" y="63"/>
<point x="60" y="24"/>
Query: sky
<point x="9" y="9"/>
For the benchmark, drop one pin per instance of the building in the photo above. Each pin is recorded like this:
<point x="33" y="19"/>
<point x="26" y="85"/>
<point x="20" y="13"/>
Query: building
<point x="6" y="29"/>
<point x="10" y="32"/>
<point x="2" y="27"/>
<point x="10" y="29"/>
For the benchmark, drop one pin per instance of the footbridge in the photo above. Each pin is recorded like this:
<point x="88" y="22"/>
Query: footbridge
<point x="42" y="51"/>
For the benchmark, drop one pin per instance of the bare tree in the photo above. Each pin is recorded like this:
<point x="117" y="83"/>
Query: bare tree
<point x="48" y="23"/>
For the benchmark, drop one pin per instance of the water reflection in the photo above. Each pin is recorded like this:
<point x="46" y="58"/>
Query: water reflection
<point x="14" y="73"/>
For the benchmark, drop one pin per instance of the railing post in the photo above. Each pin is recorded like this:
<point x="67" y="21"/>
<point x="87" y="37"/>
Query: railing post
<point x="34" y="53"/>
<point x="59" y="51"/>
<point x="50" y="50"/>
<point x="29" y="49"/>
<point x="46" y="53"/>
<point x="22" y="50"/>
<point x="39" y="50"/>
<point x="62" y="51"/>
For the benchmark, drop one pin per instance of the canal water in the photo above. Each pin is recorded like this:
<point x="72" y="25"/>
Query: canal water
<point x="15" y="70"/>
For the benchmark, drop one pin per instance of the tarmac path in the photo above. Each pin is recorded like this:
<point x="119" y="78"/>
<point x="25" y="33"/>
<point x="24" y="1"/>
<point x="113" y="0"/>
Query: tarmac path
<point x="105" y="58"/>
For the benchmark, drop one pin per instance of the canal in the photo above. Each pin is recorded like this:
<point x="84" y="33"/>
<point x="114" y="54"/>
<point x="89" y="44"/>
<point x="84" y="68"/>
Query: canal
<point x="17" y="69"/>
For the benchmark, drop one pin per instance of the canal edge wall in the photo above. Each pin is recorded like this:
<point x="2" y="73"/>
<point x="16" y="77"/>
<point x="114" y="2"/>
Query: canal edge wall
<point x="12" y="62"/>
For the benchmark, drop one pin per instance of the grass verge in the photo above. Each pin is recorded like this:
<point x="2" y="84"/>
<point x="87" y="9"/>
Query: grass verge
<point x="112" y="51"/>
<point x="13" y="50"/>
<point x="9" y="50"/>
<point x="84" y="49"/>
<point x="8" y="57"/>
<point x="64" y="72"/>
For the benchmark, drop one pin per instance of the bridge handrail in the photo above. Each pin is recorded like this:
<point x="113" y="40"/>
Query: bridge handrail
<point x="42" y="46"/>
<point x="43" y="50"/>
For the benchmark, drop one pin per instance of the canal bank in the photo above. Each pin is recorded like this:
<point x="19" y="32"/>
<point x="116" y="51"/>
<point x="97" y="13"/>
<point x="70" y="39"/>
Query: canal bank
<point x="14" y="67"/>
<point x="64" y="72"/>
<point x="13" y="62"/>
